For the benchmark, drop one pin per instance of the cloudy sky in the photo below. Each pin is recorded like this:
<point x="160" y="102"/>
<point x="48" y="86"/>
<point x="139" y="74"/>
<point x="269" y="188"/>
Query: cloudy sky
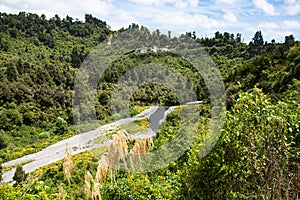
<point x="275" y="18"/>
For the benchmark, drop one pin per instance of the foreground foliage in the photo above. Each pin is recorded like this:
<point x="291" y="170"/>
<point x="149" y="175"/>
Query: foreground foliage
<point x="256" y="157"/>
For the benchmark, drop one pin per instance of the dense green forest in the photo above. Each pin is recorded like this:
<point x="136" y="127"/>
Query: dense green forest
<point x="256" y="156"/>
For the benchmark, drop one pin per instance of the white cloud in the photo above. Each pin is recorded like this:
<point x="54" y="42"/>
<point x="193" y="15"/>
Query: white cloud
<point x="193" y="21"/>
<point x="176" y="3"/>
<point x="178" y="15"/>
<point x="75" y="8"/>
<point x="292" y="7"/>
<point x="226" y="1"/>
<point x="278" y="36"/>
<point x="278" y="30"/>
<point x="280" y="25"/>
<point x="193" y="3"/>
<point x="121" y="19"/>
<point x="290" y="1"/>
<point x="180" y="4"/>
<point x="290" y="24"/>
<point x="105" y="10"/>
<point x="267" y="7"/>
<point x="268" y="34"/>
<point x="229" y="16"/>
<point x="151" y="2"/>
<point x="267" y="25"/>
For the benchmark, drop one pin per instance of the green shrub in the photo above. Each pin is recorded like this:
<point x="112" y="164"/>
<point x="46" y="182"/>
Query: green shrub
<point x="254" y="158"/>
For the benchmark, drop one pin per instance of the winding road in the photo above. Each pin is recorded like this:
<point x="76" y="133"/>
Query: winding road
<point x="85" y="141"/>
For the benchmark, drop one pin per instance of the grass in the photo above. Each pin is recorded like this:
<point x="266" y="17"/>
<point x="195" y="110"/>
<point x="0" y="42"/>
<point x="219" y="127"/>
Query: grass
<point x="139" y="126"/>
<point x="140" y="109"/>
<point x="98" y="152"/>
<point x="104" y="137"/>
<point x="86" y="155"/>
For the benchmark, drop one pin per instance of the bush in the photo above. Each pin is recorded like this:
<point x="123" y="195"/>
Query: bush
<point x="254" y="158"/>
<point x="3" y="143"/>
<point x="19" y="175"/>
<point x="60" y="127"/>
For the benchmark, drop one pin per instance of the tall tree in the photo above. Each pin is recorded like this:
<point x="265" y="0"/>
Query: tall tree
<point x="258" y="39"/>
<point x="238" y="38"/>
<point x="289" y="40"/>
<point x="218" y="35"/>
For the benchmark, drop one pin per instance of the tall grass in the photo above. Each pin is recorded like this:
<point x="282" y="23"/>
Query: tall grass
<point x="87" y="184"/>
<point x="102" y="170"/>
<point x="68" y="163"/>
<point x="140" y="147"/>
<point x="61" y="193"/>
<point x="96" y="192"/>
<point x="117" y="152"/>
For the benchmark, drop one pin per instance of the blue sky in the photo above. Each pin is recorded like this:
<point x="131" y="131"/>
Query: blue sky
<point x="275" y="18"/>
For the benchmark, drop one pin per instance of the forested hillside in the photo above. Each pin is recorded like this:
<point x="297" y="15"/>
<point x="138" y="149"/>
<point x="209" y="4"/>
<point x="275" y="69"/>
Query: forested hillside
<point x="256" y="157"/>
